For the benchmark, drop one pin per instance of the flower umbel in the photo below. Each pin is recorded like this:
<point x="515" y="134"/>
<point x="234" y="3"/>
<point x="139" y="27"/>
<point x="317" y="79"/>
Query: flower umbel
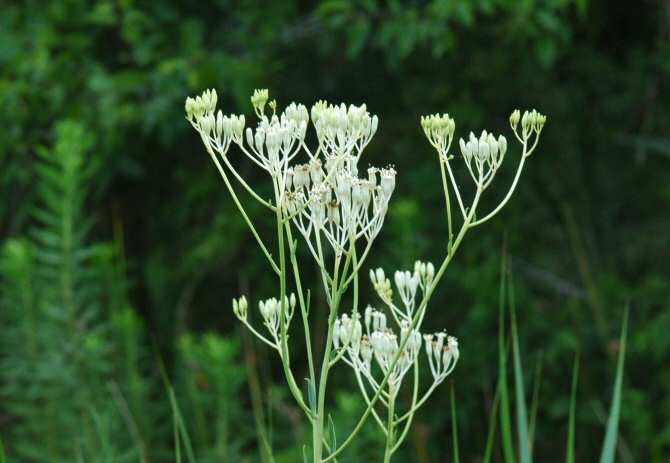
<point x="339" y="211"/>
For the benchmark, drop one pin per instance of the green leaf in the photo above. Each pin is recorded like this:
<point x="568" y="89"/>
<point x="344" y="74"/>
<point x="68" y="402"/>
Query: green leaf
<point x="609" y="445"/>
<point x="305" y="456"/>
<point x="521" y="413"/>
<point x="535" y="401"/>
<point x="311" y="395"/>
<point x="331" y="433"/>
<point x="505" y="415"/>
<point x="570" y="455"/>
<point x="179" y="429"/>
<point x="488" y="453"/>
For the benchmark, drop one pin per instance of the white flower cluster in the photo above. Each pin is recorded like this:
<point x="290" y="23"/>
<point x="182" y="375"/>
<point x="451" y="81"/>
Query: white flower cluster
<point x="216" y="131"/>
<point x="333" y="201"/>
<point x="407" y="285"/>
<point x="373" y="346"/>
<point x="380" y="343"/>
<point x="483" y="156"/>
<point x="323" y="196"/>
<point x="531" y="122"/>
<point x="278" y="139"/>
<point x="439" y="129"/>
<point x="341" y="130"/>
<point x="271" y="311"/>
<point x="442" y="357"/>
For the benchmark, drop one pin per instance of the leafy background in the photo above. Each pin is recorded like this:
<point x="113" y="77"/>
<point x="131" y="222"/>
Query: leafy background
<point x="121" y="250"/>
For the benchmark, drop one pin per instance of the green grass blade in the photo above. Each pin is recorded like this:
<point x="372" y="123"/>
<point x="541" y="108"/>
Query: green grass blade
<point x="570" y="455"/>
<point x="535" y="401"/>
<point x="179" y="428"/>
<point x="454" y="425"/>
<point x="488" y="453"/>
<point x="175" y="434"/>
<point x="609" y="445"/>
<point x="505" y="415"/>
<point x="520" y="397"/>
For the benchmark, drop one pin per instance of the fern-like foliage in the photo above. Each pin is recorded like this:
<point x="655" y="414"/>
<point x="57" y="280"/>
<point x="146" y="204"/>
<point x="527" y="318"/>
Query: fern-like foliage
<point x="57" y="362"/>
<point x="211" y="384"/>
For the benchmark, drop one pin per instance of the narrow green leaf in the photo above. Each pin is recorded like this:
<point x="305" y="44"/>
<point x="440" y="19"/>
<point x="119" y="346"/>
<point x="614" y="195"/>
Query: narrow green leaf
<point x="182" y="428"/>
<point x="520" y="395"/>
<point x="179" y="428"/>
<point x="493" y="419"/>
<point x="311" y="395"/>
<point x="454" y="425"/>
<point x="305" y="456"/>
<point x="505" y="415"/>
<point x="570" y="455"/>
<point x="535" y="401"/>
<point x="331" y="432"/>
<point x="611" y="435"/>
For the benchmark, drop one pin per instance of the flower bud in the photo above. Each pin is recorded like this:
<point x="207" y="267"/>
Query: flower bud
<point x="430" y="271"/>
<point x="514" y="119"/>
<point x="259" y="99"/>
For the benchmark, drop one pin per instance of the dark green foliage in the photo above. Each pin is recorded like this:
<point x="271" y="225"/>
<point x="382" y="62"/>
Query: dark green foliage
<point x="57" y="352"/>
<point x="210" y="389"/>
<point x="523" y="436"/>
<point x="157" y="249"/>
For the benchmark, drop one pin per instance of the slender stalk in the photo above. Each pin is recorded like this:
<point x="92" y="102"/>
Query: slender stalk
<point x="317" y="427"/>
<point x="388" y="452"/>
<point x="246" y="185"/>
<point x="244" y="214"/>
<point x="415" y="394"/>
<point x="445" y="187"/>
<point x="456" y="190"/>
<point x="283" y="341"/>
<point x="524" y="155"/>
<point x="301" y="301"/>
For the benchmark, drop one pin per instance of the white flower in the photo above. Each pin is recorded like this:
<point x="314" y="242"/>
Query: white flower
<point x="441" y="358"/>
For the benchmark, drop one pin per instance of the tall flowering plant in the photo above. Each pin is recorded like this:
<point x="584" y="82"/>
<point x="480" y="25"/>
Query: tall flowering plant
<point x="321" y="195"/>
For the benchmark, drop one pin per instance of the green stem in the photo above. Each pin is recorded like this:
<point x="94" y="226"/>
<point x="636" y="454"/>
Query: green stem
<point x="283" y="341"/>
<point x="524" y="155"/>
<point x="317" y="429"/>
<point x="301" y="301"/>
<point x="447" y="200"/>
<point x="335" y="297"/>
<point x="415" y="395"/>
<point x="244" y="213"/>
<point x="388" y="452"/>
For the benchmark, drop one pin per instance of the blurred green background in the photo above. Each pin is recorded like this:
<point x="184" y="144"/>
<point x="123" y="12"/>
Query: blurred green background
<point x="122" y="250"/>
